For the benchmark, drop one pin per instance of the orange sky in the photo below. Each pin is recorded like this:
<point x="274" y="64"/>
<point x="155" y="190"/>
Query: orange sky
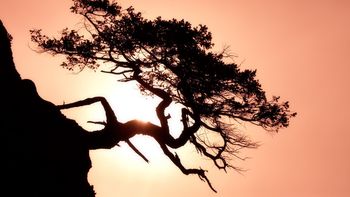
<point x="301" y="50"/>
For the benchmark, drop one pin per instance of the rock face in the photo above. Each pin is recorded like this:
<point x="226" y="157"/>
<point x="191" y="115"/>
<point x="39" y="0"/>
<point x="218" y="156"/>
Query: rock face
<point x="43" y="153"/>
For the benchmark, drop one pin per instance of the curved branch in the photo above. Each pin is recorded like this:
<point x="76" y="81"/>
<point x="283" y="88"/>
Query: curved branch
<point x="162" y="105"/>
<point x="110" y="116"/>
<point x="187" y="131"/>
<point x="176" y="160"/>
<point x="214" y="158"/>
<point x="111" y="134"/>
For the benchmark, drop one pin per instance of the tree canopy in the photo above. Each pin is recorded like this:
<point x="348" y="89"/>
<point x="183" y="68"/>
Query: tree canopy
<point x="175" y="61"/>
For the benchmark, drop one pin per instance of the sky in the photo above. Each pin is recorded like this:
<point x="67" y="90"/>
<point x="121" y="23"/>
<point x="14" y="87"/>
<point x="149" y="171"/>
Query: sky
<point x="300" y="50"/>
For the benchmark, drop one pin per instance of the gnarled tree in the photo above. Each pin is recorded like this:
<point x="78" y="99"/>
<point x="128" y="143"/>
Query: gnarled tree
<point x="174" y="61"/>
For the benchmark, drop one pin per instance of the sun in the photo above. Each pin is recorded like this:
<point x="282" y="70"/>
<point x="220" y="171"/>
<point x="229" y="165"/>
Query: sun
<point x="128" y="104"/>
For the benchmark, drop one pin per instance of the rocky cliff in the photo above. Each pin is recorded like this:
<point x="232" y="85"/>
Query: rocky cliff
<point x="44" y="154"/>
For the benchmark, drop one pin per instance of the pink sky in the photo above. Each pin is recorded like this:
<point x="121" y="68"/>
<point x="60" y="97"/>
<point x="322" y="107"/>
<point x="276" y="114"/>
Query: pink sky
<point x="301" y="51"/>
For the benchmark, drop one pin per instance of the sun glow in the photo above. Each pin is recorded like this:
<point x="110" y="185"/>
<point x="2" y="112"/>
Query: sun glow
<point x="128" y="104"/>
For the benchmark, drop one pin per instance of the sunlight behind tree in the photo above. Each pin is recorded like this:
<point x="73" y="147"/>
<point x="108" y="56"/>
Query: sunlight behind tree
<point x="174" y="62"/>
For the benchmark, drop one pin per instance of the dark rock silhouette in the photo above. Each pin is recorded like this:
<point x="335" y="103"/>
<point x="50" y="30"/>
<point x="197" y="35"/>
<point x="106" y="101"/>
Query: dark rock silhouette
<point x="43" y="152"/>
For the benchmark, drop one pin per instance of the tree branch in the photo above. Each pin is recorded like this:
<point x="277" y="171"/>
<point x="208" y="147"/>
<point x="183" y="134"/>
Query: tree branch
<point x="111" y="134"/>
<point x="162" y="105"/>
<point x="176" y="160"/>
<point x="131" y="128"/>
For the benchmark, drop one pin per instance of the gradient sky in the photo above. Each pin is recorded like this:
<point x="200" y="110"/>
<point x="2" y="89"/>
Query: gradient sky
<point x="301" y="51"/>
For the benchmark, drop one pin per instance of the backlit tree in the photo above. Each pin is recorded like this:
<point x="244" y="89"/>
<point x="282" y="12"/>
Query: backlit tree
<point x="174" y="61"/>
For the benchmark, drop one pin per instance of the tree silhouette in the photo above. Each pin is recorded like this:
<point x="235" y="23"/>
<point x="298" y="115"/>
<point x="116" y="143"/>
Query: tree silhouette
<point x="174" y="61"/>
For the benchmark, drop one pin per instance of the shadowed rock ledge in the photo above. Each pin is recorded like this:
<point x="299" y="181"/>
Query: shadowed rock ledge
<point x="43" y="152"/>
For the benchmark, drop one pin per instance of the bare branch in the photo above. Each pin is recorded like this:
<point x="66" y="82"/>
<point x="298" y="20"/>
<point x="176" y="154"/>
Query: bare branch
<point x="112" y="126"/>
<point x="176" y="160"/>
<point x="136" y="150"/>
